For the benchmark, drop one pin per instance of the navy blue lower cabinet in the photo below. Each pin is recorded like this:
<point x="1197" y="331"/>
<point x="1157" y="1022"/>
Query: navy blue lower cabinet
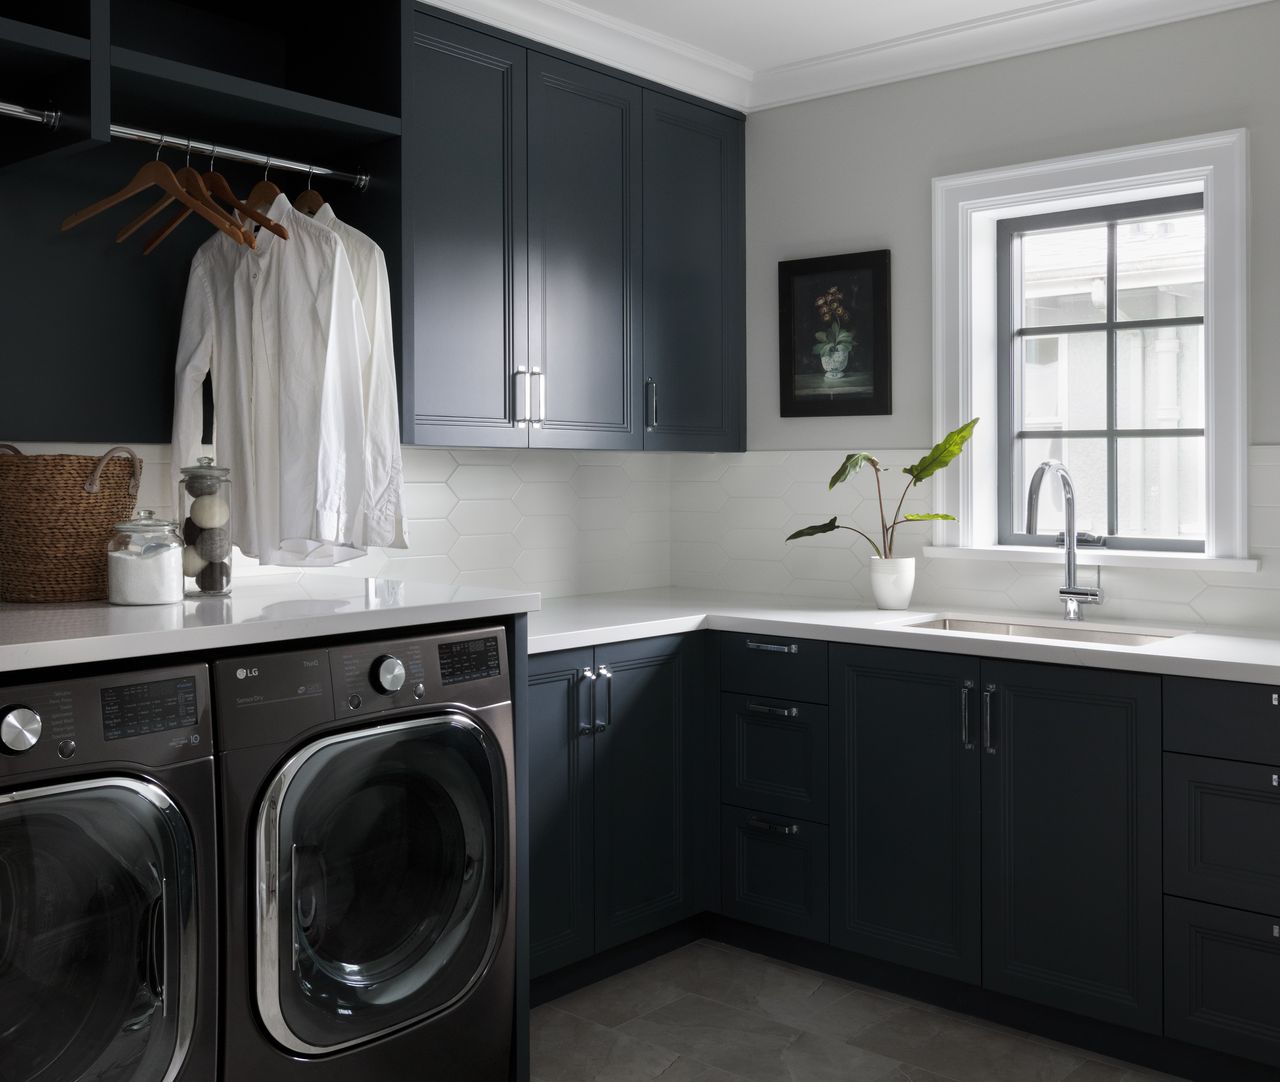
<point x="1222" y="979"/>
<point x="1071" y="848"/>
<point x="905" y="837"/>
<point x="773" y="756"/>
<point x="648" y="777"/>
<point x="775" y="872"/>
<point x="561" y="810"/>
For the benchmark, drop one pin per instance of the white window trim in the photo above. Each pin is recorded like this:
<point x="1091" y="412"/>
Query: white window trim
<point x="966" y="208"/>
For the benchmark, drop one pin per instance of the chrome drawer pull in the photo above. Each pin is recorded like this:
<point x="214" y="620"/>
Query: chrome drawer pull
<point x="774" y="711"/>
<point x="965" y="742"/>
<point x="790" y="829"/>
<point x="773" y="647"/>
<point x="987" y="694"/>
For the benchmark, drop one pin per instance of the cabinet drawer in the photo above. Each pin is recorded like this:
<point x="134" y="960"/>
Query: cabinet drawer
<point x="1222" y="832"/>
<point x="773" y="756"/>
<point x="1222" y="979"/>
<point x="774" y="872"/>
<point x="1224" y="719"/>
<point x="782" y="668"/>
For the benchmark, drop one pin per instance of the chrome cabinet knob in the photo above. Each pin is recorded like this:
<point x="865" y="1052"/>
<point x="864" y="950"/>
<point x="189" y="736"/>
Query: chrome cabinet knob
<point x="388" y="674"/>
<point x="20" y="728"/>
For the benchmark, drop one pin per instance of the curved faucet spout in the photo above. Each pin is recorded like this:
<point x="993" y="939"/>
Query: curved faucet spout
<point x="1072" y="594"/>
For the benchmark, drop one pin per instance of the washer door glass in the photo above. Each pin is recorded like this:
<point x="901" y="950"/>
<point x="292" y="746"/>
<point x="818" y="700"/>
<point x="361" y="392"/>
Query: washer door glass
<point x="96" y="933"/>
<point x="381" y="853"/>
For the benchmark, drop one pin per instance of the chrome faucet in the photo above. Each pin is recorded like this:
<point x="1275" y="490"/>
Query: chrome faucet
<point x="1072" y="594"/>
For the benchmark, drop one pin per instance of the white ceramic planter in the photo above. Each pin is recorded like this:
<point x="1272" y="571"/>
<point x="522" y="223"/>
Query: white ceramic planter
<point x="892" y="581"/>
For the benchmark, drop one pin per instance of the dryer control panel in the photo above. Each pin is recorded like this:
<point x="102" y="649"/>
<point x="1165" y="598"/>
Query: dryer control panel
<point x="151" y="718"/>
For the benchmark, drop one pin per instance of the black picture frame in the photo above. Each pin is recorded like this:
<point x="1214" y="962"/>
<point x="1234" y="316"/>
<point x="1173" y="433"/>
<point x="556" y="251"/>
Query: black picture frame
<point x="814" y="294"/>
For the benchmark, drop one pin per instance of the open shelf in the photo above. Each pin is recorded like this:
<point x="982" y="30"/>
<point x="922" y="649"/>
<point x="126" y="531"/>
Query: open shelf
<point x="62" y="18"/>
<point x="31" y="38"/>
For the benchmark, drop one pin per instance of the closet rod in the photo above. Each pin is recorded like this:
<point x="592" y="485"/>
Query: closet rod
<point x="359" y="180"/>
<point x="49" y="118"/>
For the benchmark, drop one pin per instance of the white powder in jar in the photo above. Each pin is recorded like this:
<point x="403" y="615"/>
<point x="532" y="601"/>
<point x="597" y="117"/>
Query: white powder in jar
<point x="151" y="579"/>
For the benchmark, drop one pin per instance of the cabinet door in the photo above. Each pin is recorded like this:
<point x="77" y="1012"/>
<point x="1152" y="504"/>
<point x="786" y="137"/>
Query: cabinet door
<point x="648" y="770"/>
<point x="465" y="210"/>
<point x="561" y="812"/>
<point x="773" y="756"/>
<point x="1071" y="840"/>
<point x="905" y="803"/>
<point x="774" y="872"/>
<point x="584" y="257"/>
<point x="694" y="279"/>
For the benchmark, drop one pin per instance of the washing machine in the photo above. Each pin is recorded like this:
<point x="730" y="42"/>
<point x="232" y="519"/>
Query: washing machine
<point x="108" y="948"/>
<point x="367" y="822"/>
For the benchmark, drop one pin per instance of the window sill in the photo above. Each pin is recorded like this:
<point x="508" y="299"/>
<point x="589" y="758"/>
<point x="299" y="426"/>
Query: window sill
<point x="1159" y="561"/>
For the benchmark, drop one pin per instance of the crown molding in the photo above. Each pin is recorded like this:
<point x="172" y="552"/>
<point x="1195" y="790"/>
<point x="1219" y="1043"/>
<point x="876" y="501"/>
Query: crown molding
<point x="617" y="43"/>
<point x="1031" y="29"/>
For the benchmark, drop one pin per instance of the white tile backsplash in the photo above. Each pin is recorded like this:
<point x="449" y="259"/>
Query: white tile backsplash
<point x="572" y="522"/>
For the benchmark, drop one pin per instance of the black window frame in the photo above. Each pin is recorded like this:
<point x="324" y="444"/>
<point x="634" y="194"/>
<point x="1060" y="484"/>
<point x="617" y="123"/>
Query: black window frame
<point x="1009" y="232"/>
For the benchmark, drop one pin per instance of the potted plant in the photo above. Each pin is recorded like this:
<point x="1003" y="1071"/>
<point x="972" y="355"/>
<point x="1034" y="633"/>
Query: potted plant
<point x="893" y="578"/>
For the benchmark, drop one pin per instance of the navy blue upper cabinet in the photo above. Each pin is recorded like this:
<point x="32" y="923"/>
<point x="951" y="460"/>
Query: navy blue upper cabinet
<point x="584" y="257"/>
<point x="577" y="254"/>
<point x="694" y="278"/>
<point x="465" y="206"/>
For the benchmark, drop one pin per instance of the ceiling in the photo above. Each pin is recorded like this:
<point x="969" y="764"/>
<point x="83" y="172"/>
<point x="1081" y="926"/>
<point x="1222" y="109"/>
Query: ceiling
<point x="756" y="54"/>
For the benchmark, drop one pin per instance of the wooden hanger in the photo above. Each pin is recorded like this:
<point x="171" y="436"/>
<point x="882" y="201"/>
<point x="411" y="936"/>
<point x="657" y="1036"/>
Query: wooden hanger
<point x="309" y="201"/>
<point x="153" y="174"/>
<point x="220" y="189"/>
<point x="265" y="192"/>
<point x="191" y="182"/>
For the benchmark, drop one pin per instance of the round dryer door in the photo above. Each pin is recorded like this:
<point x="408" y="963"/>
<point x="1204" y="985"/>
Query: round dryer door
<point x="380" y="856"/>
<point x="97" y="933"/>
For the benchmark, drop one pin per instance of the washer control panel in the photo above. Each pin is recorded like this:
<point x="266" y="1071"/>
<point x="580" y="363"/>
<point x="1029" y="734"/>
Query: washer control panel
<point x="154" y="718"/>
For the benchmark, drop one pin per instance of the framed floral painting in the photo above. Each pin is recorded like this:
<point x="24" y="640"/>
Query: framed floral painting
<point x="834" y="335"/>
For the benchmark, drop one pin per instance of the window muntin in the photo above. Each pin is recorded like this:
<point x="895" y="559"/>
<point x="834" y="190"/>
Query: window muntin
<point x="1101" y="329"/>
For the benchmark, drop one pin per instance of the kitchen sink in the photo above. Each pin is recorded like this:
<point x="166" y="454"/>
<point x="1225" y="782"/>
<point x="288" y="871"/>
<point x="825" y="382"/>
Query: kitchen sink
<point x="1068" y="632"/>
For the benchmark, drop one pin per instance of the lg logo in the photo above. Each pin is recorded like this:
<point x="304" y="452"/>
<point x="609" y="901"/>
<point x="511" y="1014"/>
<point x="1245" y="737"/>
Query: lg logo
<point x="242" y="673"/>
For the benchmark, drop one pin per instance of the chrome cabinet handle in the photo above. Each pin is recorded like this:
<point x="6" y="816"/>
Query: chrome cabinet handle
<point x="521" y="377"/>
<point x="774" y="711"/>
<point x="585" y="728"/>
<point x="541" y="377"/>
<point x="774" y="647"/>
<point x="604" y="672"/>
<point x="789" y="829"/>
<point x="988" y="694"/>
<point x="650" y="403"/>
<point x="965" y="742"/>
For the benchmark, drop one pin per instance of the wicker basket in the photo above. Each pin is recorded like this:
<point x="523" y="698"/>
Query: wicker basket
<point x="56" y="517"/>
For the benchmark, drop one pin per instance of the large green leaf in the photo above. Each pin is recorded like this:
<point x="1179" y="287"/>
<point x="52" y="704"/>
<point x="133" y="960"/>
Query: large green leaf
<point x="812" y="531"/>
<point x="932" y="517"/>
<point x="942" y="455"/>
<point x="851" y="465"/>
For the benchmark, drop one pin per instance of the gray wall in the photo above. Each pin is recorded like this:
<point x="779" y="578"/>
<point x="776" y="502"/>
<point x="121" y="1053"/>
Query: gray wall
<point x="853" y="173"/>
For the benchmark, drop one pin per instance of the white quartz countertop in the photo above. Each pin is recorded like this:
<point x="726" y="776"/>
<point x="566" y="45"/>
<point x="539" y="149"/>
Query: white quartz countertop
<point x="39" y="636"/>
<point x="569" y="622"/>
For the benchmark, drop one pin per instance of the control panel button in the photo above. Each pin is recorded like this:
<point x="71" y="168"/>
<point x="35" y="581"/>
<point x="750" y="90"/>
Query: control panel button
<point x="388" y="674"/>
<point x="354" y="702"/>
<point x="66" y="749"/>
<point x="20" y="728"/>
<point x="419" y="690"/>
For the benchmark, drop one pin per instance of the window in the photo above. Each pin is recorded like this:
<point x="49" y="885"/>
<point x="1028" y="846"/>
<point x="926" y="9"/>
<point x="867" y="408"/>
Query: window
<point x="1101" y="366"/>
<point x="1118" y="350"/>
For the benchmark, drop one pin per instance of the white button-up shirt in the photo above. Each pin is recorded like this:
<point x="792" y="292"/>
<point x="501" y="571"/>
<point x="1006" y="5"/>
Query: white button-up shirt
<point x="384" y="480"/>
<point x="283" y="330"/>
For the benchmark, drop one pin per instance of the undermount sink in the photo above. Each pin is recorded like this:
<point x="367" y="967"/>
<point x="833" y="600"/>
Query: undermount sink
<point x="1068" y="632"/>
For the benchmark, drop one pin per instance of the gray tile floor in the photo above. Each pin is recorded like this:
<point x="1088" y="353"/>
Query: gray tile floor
<point x="713" y="1013"/>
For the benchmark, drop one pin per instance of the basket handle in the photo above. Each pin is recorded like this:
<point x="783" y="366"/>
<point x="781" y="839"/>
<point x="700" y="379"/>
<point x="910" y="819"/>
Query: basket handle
<point x="94" y="484"/>
<point x="10" y="448"/>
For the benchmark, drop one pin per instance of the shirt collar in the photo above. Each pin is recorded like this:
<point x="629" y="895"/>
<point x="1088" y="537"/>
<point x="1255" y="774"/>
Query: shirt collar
<point x="325" y="215"/>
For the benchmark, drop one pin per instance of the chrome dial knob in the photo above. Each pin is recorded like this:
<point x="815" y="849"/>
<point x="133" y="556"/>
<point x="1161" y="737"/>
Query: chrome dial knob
<point x="388" y="674"/>
<point x="20" y="728"/>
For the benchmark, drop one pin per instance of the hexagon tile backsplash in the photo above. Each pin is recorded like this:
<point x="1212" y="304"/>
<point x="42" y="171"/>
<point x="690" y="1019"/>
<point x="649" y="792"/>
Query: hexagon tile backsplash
<point x="572" y="522"/>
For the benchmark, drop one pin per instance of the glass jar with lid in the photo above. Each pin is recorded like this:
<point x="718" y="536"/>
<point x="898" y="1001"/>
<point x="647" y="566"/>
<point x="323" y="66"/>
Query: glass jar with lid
<point x="204" y="501"/>
<point x="144" y="562"/>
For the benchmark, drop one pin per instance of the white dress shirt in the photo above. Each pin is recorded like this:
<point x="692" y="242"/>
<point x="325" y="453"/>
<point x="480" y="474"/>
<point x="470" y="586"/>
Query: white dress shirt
<point x="384" y="481"/>
<point x="283" y="330"/>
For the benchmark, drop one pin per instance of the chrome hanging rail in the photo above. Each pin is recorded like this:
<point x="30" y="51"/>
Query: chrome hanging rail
<point x="359" y="180"/>
<point x="50" y="118"/>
